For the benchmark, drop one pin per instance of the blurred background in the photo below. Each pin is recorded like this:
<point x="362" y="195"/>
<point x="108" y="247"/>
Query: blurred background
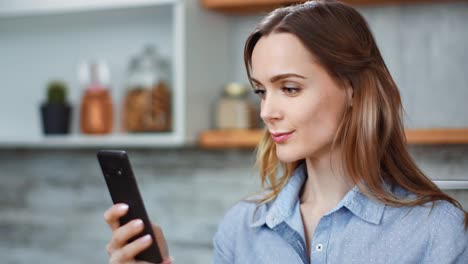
<point x="164" y="80"/>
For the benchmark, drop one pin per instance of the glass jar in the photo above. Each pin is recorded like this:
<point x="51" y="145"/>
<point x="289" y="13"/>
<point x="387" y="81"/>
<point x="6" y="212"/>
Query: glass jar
<point x="147" y="102"/>
<point x="234" y="110"/>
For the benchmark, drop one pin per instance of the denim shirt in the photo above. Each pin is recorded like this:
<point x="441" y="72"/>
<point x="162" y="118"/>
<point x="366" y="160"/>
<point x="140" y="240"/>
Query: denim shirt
<point x="357" y="230"/>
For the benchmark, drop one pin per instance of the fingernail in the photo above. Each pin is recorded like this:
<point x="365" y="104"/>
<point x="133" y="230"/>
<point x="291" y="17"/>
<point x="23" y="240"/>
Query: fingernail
<point x="123" y="207"/>
<point x="146" y="238"/>
<point x="138" y="223"/>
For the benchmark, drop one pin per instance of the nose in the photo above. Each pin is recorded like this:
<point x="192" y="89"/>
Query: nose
<point x="269" y="109"/>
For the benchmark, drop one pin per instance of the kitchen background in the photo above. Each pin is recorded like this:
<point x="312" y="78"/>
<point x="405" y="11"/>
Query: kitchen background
<point x="52" y="194"/>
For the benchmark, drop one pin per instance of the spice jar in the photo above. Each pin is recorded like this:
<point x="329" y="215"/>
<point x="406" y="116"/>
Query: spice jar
<point x="234" y="109"/>
<point x="96" y="112"/>
<point x="147" y="103"/>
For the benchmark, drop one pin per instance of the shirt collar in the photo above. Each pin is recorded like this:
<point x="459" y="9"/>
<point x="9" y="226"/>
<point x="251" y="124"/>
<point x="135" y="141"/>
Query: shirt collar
<point x="362" y="206"/>
<point x="282" y="207"/>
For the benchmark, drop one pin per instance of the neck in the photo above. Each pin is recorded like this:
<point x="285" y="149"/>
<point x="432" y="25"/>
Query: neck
<point x="326" y="183"/>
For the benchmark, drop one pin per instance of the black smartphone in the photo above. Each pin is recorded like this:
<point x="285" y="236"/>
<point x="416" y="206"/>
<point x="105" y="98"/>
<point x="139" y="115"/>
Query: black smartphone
<point x="123" y="188"/>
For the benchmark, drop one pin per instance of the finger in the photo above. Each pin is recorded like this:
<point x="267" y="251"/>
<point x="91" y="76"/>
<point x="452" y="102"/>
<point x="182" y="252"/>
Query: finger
<point x="161" y="241"/>
<point x="129" y="251"/>
<point x="113" y="214"/>
<point x="122" y="234"/>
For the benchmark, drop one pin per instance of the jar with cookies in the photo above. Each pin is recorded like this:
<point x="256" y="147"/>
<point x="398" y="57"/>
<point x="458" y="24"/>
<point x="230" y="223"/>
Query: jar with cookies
<point x="147" y="101"/>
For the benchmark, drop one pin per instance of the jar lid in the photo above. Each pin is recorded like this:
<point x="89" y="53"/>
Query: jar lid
<point x="235" y="89"/>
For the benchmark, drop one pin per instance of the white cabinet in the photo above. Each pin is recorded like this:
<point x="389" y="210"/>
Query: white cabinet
<point x="42" y="40"/>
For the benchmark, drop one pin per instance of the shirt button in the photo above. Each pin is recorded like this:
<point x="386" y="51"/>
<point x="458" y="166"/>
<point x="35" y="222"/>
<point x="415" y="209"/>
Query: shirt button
<point x="274" y="221"/>
<point x="319" y="247"/>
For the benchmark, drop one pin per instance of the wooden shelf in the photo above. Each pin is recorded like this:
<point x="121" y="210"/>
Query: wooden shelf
<point x="217" y="139"/>
<point x="249" y="138"/>
<point x="437" y="136"/>
<point x="251" y="6"/>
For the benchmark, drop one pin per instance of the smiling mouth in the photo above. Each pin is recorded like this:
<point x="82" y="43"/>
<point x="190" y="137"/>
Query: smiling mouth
<point x="281" y="137"/>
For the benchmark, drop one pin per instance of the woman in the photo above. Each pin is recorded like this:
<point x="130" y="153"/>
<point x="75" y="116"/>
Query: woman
<point x="347" y="190"/>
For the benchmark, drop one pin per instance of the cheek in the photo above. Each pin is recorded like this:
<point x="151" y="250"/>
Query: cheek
<point x="309" y="112"/>
<point x="316" y="122"/>
<point x="320" y="120"/>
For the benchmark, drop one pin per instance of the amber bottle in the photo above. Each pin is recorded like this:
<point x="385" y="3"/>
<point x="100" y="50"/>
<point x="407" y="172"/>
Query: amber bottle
<point x="96" y="113"/>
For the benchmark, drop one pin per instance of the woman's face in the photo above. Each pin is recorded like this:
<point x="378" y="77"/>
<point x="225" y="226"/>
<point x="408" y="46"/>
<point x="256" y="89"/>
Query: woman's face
<point x="301" y="105"/>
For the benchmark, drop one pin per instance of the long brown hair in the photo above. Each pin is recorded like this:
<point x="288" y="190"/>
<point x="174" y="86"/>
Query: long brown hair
<point x="371" y="132"/>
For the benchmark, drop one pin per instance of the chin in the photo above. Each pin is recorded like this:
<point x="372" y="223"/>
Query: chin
<point x="287" y="155"/>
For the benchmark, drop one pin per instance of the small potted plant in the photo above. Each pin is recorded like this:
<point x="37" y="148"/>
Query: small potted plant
<point x="56" y="111"/>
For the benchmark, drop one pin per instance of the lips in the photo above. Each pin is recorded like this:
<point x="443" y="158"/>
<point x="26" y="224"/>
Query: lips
<point x="281" y="137"/>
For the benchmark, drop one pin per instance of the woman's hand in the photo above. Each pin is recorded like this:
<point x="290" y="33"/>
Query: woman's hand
<point x="122" y="253"/>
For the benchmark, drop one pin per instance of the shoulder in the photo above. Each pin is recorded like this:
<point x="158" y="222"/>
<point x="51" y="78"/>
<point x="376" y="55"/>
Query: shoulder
<point x="241" y="216"/>
<point x="446" y="220"/>
<point x="440" y="212"/>
<point x="448" y="236"/>
<point x="440" y="216"/>
<point x="438" y="227"/>
<point x="235" y="226"/>
<point x="445" y="212"/>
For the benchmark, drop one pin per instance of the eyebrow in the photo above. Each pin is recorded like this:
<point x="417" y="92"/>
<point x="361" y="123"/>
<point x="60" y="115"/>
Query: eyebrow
<point x="280" y="77"/>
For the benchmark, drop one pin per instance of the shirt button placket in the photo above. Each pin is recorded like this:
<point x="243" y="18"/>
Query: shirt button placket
<point x="320" y="240"/>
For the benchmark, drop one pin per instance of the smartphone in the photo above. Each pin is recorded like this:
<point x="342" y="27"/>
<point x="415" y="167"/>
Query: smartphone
<point x="123" y="188"/>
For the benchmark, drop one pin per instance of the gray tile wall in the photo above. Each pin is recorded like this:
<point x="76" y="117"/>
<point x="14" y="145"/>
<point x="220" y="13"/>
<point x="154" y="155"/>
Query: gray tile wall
<point x="52" y="202"/>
